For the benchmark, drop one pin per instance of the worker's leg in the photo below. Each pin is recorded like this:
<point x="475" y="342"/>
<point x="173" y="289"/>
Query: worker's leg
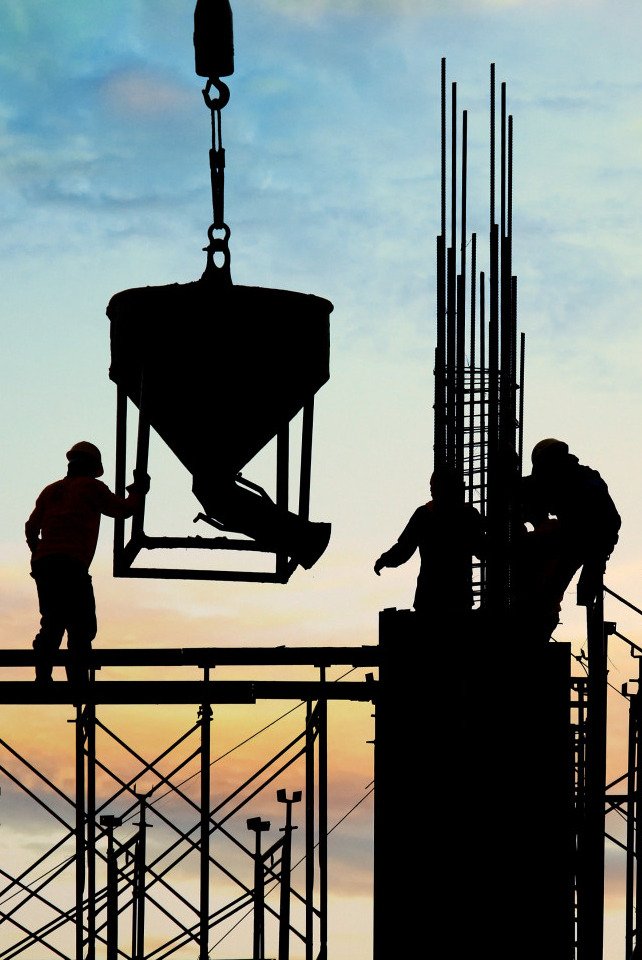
<point x="560" y="575"/>
<point x="545" y="569"/>
<point x="81" y="626"/>
<point x="49" y="576"/>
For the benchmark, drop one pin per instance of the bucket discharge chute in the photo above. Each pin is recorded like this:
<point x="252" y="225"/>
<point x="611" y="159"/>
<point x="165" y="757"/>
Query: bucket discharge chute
<point x="218" y="371"/>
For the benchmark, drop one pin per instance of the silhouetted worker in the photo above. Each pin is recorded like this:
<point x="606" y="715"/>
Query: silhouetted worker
<point x="62" y="534"/>
<point x="575" y="525"/>
<point x="447" y="531"/>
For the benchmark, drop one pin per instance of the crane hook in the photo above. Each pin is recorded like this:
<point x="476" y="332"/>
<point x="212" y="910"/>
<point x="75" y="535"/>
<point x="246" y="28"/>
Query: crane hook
<point x="216" y="103"/>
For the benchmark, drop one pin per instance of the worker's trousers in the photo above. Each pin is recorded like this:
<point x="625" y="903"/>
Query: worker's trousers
<point x="66" y="601"/>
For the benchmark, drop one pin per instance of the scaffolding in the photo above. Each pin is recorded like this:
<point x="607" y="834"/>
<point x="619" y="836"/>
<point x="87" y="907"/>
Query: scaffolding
<point x="201" y="872"/>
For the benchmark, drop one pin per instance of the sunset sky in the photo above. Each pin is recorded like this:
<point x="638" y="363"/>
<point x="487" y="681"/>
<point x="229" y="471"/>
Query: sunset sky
<point x="332" y="188"/>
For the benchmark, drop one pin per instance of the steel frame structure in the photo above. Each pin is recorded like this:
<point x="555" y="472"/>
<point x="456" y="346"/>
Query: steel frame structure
<point x="478" y="429"/>
<point x="479" y="378"/>
<point x="133" y="880"/>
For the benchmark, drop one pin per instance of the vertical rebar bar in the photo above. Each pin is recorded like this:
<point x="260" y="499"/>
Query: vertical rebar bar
<point x="483" y="427"/>
<point x="451" y="355"/>
<point x="461" y="306"/>
<point x="505" y="310"/>
<point x="491" y="141"/>
<point x="451" y="273"/>
<point x="443" y="147"/>
<point x="464" y="186"/>
<point x="493" y="493"/>
<point x="453" y="168"/>
<point x="494" y="570"/>
<point x="439" y="427"/>
<point x="511" y="281"/>
<point x="506" y="412"/>
<point x="459" y="378"/>
<point x="513" y="362"/>
<point x="483" y="386"/>
<point x="440" y="355"/>
<point x="492" y="267"/>
<point x="502" y="158"/>
<point x="522" y="359"/>
<point x="513" y="367"/>
<point x="473" y="361"/>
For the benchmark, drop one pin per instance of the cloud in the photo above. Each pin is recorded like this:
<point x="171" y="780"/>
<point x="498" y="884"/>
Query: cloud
<point x="143" y="93"/>
<point x="314" y="9"/>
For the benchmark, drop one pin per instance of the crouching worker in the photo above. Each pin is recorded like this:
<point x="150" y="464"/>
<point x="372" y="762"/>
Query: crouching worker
<point x="62" y="534"/>
<point x="447" y="531"/>
<point x="575" y="525"/>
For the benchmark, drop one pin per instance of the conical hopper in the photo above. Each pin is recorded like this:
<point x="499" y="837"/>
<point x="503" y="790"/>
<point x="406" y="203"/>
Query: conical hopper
<point x="223" y="367"/>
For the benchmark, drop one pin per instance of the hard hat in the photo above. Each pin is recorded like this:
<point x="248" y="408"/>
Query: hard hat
<point x="446" y="482"/>
<point x="549" y="447"/>
<point x="88" y="451"/>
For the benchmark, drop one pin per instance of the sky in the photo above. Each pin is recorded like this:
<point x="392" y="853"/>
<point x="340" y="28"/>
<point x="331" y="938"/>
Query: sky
<point x="332" y="188"/>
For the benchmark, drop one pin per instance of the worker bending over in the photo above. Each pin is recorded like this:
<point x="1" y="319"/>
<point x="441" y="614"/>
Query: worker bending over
<point x="575" y="524"/>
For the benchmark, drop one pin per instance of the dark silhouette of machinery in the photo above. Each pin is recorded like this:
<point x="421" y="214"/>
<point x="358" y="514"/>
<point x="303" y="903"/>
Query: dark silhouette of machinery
<point x="219" y="371"/>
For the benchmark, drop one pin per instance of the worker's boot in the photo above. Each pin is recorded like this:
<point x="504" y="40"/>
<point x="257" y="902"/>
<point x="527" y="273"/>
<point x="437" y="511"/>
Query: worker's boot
<point x="77" y="672"/>
<point x="44" y="674"/>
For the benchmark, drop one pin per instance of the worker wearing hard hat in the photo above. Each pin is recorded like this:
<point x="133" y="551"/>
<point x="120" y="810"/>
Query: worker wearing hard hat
<point x="575" y="525"/>
<point x="447" y="531"/>
<point x="62" y="534"/>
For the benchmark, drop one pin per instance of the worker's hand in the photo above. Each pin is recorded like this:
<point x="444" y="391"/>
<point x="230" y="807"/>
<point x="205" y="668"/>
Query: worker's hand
<point x="141" y="482"/>
<point x="378" y="566"/>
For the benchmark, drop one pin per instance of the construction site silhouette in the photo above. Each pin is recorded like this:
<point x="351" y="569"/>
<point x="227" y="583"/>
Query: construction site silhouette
<point x="506" y="853"/>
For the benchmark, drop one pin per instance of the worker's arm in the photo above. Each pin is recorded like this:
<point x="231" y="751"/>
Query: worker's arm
<point x="120" y="508"/>
<point x="402" y="550"/>
<point x="32" y="528"/>
<point x="533" y="504"/>
<point x="477" y="534"/>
